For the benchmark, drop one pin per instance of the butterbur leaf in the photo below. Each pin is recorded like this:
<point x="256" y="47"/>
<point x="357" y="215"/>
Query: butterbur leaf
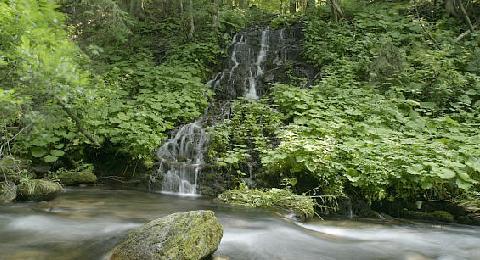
<point x="474" y="164"/>
<point x="50" y="159"/>
<point x="38" y="152"/>
<point x="463" y="184"/>
<point x="57" y="153"/>
<point x="444" y="173"/>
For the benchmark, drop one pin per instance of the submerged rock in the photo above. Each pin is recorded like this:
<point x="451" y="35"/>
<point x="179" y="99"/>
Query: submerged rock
<point x="186" y="235"/>
<point x="76" y="178"/>
<point x="8" y="192"/>
<point x="38" y="190"/>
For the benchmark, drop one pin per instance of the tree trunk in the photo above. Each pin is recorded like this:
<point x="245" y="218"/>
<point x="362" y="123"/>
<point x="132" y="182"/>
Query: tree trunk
<point x="336" y="9"/>
<point x="243" y="4"/>
<point x="191" y="31"/>
<point x="293" y="6"/>
<point x="465" y="15"/>
<point x="216" y="23"/>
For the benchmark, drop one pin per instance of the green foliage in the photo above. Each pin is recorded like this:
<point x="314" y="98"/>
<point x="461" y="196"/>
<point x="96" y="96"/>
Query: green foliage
<point x="195" y="55"/>
<point x="98" y="22"/>
<point x="284" y="20"/>
<point x="149" y="100"/>
<point x="232" y="20"/>
<point x="41" y="70"/>
<point x="302" y="206"/>
<point x="237" y="143"/>
<point x="397" y="53"/>
<point x="379" y="144"/>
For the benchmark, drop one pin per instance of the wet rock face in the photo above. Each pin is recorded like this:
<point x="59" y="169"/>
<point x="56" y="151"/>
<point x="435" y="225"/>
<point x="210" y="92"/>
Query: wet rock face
<point x="180" y="236"/>
<point x="259" y="57"/>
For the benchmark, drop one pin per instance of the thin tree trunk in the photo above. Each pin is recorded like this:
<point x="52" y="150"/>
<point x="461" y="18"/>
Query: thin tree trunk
<point x="465" y="15"/>
<point x="336" y="8"/>
<point x="243" y="4"/>
<point x="216" y="23"/>
<point x="191" y="32"/>
<point x="78" y="123"/>
<point x="293" y="6"/>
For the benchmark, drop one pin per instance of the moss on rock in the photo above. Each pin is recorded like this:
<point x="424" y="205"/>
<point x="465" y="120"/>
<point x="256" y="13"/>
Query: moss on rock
<point x="441" y="216"/>
<point x="186" y="235"/>
<point x="302" y="206"/>
<point x="8" y="192"/>
<point x="76" y="178"/>
<point x="38" y="190"/>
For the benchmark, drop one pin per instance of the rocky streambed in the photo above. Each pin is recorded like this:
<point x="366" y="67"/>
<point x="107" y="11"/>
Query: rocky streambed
<point x="87" y="223"/>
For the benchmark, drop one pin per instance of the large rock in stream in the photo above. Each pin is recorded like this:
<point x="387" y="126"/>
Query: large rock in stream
<point x="180" y="236"/>
<point x="38" y="190"/>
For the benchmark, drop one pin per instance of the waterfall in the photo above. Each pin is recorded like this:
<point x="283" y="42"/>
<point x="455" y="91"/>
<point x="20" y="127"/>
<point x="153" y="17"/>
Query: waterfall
<point x="255" y="76"/>
<point x="253" y="55"/>
<point x="181" y="159"/>
<point x="245" y="68"/>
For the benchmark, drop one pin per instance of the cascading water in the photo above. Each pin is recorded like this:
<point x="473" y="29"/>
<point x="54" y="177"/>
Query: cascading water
<point x="181" y="159"/>
<point x="258" y="73"/>
<point x="253" y="54"/>
<point x="250" y="52"/>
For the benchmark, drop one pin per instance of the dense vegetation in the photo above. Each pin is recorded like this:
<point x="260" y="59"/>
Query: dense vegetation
<point x="395" y="114"/>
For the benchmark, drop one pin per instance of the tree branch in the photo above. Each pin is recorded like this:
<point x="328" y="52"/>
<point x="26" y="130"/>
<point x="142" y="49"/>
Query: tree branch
<point x="78" y="123"/>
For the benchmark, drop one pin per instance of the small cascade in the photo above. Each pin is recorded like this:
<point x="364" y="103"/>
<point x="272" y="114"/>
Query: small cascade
<point x="251" y="52"/>
<point x="255" y="76"/>
<point x="257" y="57"/>
<point x="181" y="159"/>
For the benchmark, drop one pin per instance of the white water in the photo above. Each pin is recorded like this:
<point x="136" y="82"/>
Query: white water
<point x="181" y="159"/>
<point x="88" y="223"/>
<point x="258" y="73"/>
<point x="233" y="57"/>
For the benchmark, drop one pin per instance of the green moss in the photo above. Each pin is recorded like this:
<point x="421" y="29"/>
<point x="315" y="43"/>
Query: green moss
<point x="302" y="206"/>
<point x="438" y="215"/>
<point x="76" y="178"/>
<point x="38" y="190"/>
<point x="185" y="235"/>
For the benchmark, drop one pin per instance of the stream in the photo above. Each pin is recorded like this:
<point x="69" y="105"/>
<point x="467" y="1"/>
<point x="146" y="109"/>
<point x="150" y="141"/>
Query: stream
<point x="86" y="223"/>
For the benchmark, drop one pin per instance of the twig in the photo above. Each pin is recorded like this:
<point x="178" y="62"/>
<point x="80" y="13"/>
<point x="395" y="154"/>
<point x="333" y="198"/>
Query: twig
<point x="465" y="34"/>
<point x="10" y="140"/>
<point x="423" y="26"/>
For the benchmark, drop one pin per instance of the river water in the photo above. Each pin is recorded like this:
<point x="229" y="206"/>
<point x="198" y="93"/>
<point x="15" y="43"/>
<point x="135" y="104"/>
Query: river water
<point x="87" y="223"/>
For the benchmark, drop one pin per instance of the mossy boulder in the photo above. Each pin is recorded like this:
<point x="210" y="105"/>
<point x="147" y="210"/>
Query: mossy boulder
<point x="8" y="192"/>
<point x="186" y="235"/>
<point x="303" y="207"/>
<point x="71" y="178"/>
<point x="38" y="190"/>
<point x="441" y="216"/>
